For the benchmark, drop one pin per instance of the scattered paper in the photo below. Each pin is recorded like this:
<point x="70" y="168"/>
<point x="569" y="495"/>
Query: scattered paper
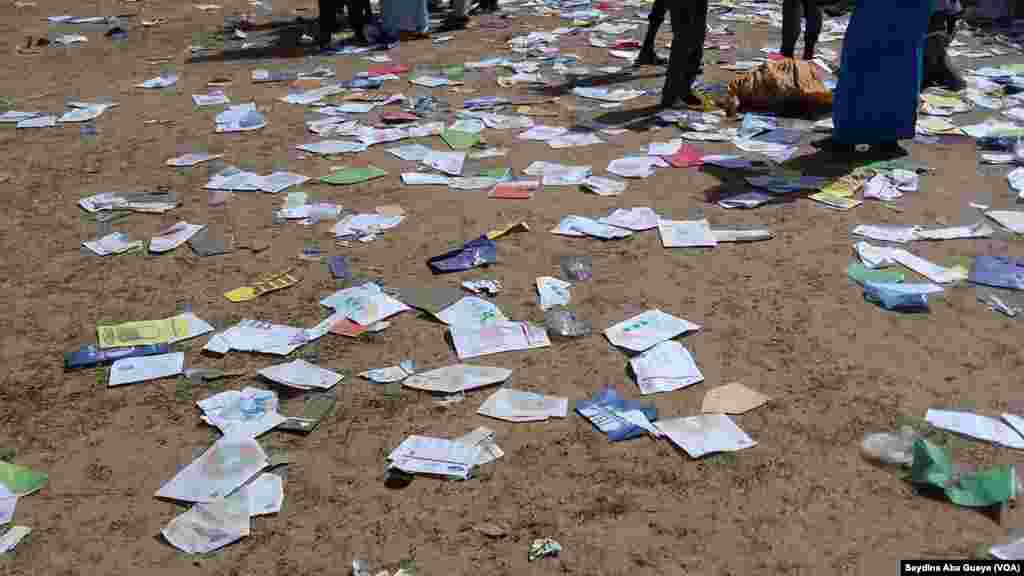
<point x="142" y="368"/>
<point x="733" y="398"/>
<point x="302" y="375"/>
<point x="665" y="367"/>
<point x="976" y="426"/>
<point x="435" y="456"/>
<point x="229" y="463"/>
<point x="249" y="412"/>
<point x="553" y="292"/>
<point x="647" y="329"/>
<point x="521" y="406"/>
<point x="172" y="237"/>
<point x="686" y="233"/>
<point x="457" y="378"/>
<point x="471" y="341"/>
<point x="704" y="434"/>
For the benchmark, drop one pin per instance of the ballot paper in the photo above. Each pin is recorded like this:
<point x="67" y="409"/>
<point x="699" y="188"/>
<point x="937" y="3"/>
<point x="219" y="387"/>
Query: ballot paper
<point x="328" y="147"/>
<point x="410" y="152"/>
<point x="580" y="226"/>
<point x="388" y="375"/>
<point x="365" y="304"/>
<point x="257" y="336"/>
<point x="647" y="330"/>
<point x="553" y="292"/>
<point x="574" y="139"/>
<point x="521" y="406"/>
<point x="929" y="270"/>
<point x="503" y="336"/>
<point x="363" y="224"/>
<point x="898" y="234"/>
<point x="704" y="434"/>
<point x="249" y="412"/>
<point x="424" y="179"/>
<point x="733" y="398"/>
<point x="211" y="99"/>
<point x="664" y="368"/>
<point x="471" y="312"/>
<point x="1010" y="219"/>
<point x="191" y="159"/>
<point x="278" y="181"/>
<point x="430" y="81"/>
<point x="448" y="162"/>
<point x="142" y="368"/>
<point x="12" y="537"/>
<point x="686" y="233"/>
<point x="302" y="375"/>
<point x="240" y="118"/>
<point x="8" y="503"/>
<point x="174" y="236"/>
<point x="229" y="463"/>
<point x="664" y="148"/>
<point x="482" y="438"/>
<point x="37" y="122"/>
<point x="457" y="378"/>
<point x="435" y="456"/>
<point x="85" y="111"/>
<point x="208" y="526"/>
<point x="604" y="186"/>
<point x="1010" y="551"/>
<point x="638" y="219"/>
<point x="15" y="116"/>
<point x="265" y="494"/>
<point x="113" y="243"/>
<point x="979" y="230"/>
<point x="751" y="199"/>
<point x="741" y="235"/>
<point x="619" y="419"/>
<point x="976" y="426"/>
<point x="636" y="166"/>
<point x="162" y="81"/>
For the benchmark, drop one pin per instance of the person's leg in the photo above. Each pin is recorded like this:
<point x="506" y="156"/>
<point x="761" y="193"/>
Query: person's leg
<point x="328" y="21"/>
<point x="689" y="26"/>
<point x="358" y="17"/>
<point x="790" y="26"/>
<point x="813" y="16"/>
<point x="654" y="21"/>
<point x="677" y="56"/>
<point x="697" y="33"/>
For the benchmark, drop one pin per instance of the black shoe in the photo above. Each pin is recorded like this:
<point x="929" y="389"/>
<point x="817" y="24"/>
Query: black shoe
<point x="689" y="101"/>
<point x="454" y="23"/>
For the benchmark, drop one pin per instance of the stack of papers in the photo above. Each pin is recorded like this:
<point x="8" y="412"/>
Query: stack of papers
<point x="435" y="456"/>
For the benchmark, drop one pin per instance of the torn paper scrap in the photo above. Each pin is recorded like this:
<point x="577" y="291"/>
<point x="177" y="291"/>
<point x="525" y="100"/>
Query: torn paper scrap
<point x="208" y="526"/>
<point x="482" y="438"/>
<point x="471" y="341"/>
<point x="686" y="233"/>
<point x="457" y="378"/>
<point x="142" y="368"/>
<point x="471" y="311"/>
<point x="301" y="374"/>
<point x="733" y="398"/>
<point x="266" y="494"/>
<point x="521" y="406"/>
<point x="12" y="537"/>
<point x="249" y="412"/>
<point x="435" y="456"/>
<point x="705" y="434"/>
<point x="553" y="292"/>
<point x="229" y="463"/>
<point x="976" y="426"/>
<point x="664" y="368"/>
<point x="647" y="329"/>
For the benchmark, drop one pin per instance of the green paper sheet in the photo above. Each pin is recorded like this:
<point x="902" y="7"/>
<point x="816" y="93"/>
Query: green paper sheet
<point x="20" y="480"/>
<point x="499" y="173"/>
<point x="353" y="175"/>
<point x="459" y="140"/>
<point x="860" y="274"/>
<point x="979" y="489"/>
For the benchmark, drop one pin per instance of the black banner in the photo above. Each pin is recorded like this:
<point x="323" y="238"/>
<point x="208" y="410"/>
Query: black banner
<point x="941" y="567"/>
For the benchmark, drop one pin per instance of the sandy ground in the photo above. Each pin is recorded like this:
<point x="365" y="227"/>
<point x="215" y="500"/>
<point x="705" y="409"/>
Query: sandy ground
<point x="779" y="316"/>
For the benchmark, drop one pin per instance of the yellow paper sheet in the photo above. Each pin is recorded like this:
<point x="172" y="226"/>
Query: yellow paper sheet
<point x="514" y="227"/>
<point x="142" y="333"/>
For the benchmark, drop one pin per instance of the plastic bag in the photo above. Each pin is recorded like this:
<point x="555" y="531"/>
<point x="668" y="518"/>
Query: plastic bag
<point x="783" y="85"/>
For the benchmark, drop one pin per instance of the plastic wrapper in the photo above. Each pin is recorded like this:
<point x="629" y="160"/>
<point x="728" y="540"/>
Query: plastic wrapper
<point x="561" y="321"/>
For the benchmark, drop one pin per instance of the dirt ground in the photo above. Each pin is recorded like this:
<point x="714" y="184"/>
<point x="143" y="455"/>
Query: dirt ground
<point x="780" y="316"/>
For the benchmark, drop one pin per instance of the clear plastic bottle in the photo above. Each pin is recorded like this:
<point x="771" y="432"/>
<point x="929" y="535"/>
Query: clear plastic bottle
<point x="890" y="448"/>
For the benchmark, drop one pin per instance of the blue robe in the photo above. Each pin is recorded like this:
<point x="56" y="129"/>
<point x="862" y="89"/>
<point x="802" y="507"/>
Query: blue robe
<point x="404" y="16"/>
<point x="880" y="71"/>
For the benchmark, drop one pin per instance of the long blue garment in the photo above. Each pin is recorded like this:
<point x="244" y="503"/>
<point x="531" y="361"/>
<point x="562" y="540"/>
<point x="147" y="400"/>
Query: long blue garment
<point x="404" y="16"/>
<point x="880" y="70"/>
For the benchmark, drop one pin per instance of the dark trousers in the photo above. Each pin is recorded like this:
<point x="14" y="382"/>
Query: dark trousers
<point x="358" y="15"/>
<point x="657" y="15"/>
<point x="689" y="27"/>
<point x="791" y="25"/>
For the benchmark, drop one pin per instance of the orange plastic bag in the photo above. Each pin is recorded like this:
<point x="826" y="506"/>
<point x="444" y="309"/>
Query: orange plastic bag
<point x="781" y="85"/>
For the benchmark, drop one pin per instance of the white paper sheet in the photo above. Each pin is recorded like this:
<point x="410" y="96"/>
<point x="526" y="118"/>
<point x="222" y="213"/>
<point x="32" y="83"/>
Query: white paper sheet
<point x="638" y="219"/>
<point x="439" y="456"/>
<point x="604" y="186"/>
<point x="191" y="159"/>
<point x="12" y="537"/>
<point x="704" y="434"/>
<point x="328" y="147"/>
<point x="257" y="336"/>
<point x="266" y="494"/>
<point x="741" y="235"/>
<point x="553" y="292"/>
<point x="113" y="243"/>
<point x="472" y="311"/>
<point x="1010" y="551"/>
<point x="424" y="179"/>
<point x="457" y="378"/>
<point x="142" y="368"/>
<point x="472" y="341"/>
<point x="482" y="438"/>
<point x="976" y="426"/>
<point x="211" y="99"/>
<point x="1011" y="219"/>
<point x="301" y="374"/>
<point x="686" y="233"/>
<point x="229" y="463"/>
<point x="521" y="406"/>
<point x="386" y="375"/>
<point x="365" y="304"/>
<point x="635" y="166"/>
<point x="898" y="234"/>
<point x="448" y="162"/>
<point x="664" y="368"/>
<point x="278" y="181"/>
<point x="209" y="526"/>
<point x="249" y="412"/>
<point x="647" y="329"/>
<point x="580" y="226"/>
<point x="410" y="152"/>
<point x="174" y="236"/>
